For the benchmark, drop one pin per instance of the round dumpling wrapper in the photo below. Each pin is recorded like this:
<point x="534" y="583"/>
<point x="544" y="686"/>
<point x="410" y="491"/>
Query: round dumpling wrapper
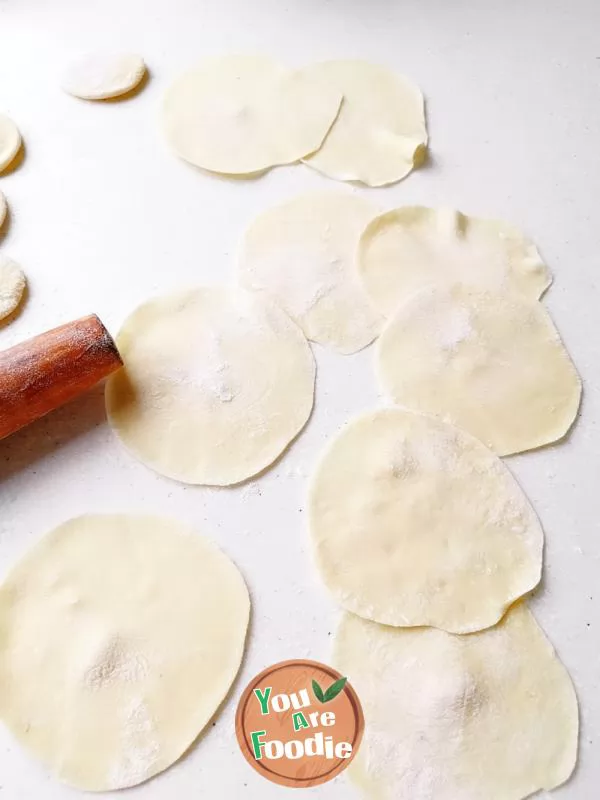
<point x="415" y="522"/>
<point x="121" y="636"/>
<point x="491" y="716"/>
<point x="490" y="362"/>
<point x="217" y="382"/>
<point x="242" y="115"/>
<point x="303" y="253"/>
<point x="409" y="248"/>
<point x="380" y="134"/>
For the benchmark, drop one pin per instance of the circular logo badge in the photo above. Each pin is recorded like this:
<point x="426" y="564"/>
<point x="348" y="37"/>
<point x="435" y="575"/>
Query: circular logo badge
<point x="299" y="723"/>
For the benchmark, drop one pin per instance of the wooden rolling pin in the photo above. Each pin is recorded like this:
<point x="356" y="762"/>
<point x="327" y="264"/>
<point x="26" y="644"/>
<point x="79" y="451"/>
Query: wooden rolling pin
<point x="47" y="371"/>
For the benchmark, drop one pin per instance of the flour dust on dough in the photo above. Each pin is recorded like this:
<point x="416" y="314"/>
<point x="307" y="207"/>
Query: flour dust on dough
<point x="121" y="636"/>
<point x="415" y="522"/>
<point x="101" y="76"/>
<point x="490" y="362"/>
<point x="303" y="253"/>
<point x="380" y="134"/>
<point x="12" y="286"/>
<point x="409" y="248"/>
<point x="490" y="716"/>
<point x="242" y="115"/>
<point x="10" y="143"/>
<point x="216" y="384"/>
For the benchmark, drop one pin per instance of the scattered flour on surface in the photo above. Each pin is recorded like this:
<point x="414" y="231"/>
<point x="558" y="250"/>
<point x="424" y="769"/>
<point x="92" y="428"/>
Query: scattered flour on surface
<point x="140" y="749"/>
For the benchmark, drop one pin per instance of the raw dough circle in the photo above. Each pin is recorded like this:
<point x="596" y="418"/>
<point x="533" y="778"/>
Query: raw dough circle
<point x="3" y="209"/>
<point x="100" y="76"/>
<point x="380" y="134"/>
<point x="414" y="522"/>
<point x="10" y="141"/>
<point x="121" y="637"/>
<point x="492" y="716"/>
<point x="304" y="253"/>
<point x="217" y="383"/>
<point x="12" y="286"/>
<point x="490" y="362"/>
<point x="242" y="115"/>
<point x="409" y="248"/>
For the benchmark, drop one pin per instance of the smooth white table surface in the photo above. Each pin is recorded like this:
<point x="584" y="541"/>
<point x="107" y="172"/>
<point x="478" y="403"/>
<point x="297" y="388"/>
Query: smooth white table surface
<point x="103" y="216"/>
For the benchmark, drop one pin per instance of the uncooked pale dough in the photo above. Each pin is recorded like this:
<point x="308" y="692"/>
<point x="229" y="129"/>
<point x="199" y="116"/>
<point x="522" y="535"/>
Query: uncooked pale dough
<point x="414" y="522"/>
<point x="10" y="142"/>
<point x="492" y="716"/>
<point x="491" y="362"/>
<point x="409" y="248"/>
<point x="121" y="636"/>
<point x="100" y="76"/>
<point x="380" y="134"/>
<point x="217" y="382"/>
<point x="242" y="115"/>
<point x="12" y="286"/>
<point x="304" y="254"/>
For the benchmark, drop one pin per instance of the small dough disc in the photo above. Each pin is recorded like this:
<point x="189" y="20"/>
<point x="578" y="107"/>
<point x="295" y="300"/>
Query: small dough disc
<point x="304" y="253"/>
<point x="3" y="209"/>
<point x="490" y="362"/>
<point x="409" y="248"/>
<point x="10" y="143"/>
<point x="242" y="115"/>
<point x="492" y="716"/>
<point x="12" y="286"/>
<point x="217" y="382"/>
<point x="121" y="636"/>
<point x="380" y="133"/>
<point x="100" y="76"/>
<point x="414" y="522"/>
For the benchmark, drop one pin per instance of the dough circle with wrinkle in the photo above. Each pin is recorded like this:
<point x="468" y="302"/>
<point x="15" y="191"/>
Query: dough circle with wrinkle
<point x="380" y="134"/>
<point x="10" y="143"/>
<point x="101" y="76"/>
<point x="490" y="362"/>
<point x="415" y="522"/>
<point x="409" y="248"/>
<point x="216" y="384"/>
<point x="12" y="286"/>
<point x="121" y="636"/>
<point x="242" y="115"/>
<point x="304" y="254"/>
<point x="491" y="716"/>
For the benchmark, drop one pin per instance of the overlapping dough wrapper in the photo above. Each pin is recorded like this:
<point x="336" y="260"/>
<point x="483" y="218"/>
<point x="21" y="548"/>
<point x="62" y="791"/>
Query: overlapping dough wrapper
<point x="415" y="522"/>
<point x="409" y="248"/>
<point x="490" y="716"/>
<point x="489" y="361"/>
<point x="242" y="115"/>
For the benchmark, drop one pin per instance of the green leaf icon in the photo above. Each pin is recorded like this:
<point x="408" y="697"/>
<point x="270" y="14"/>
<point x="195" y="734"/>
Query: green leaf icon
<point x="331" y="693"/>
<point x="318" y="692"/>
<point x="335" y="689"/>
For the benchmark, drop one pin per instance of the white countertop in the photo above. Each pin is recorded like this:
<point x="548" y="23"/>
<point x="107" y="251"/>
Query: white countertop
<point x="103" y="216"/>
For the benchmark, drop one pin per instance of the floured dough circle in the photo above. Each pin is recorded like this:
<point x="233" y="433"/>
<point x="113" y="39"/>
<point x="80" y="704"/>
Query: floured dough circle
<point x="409" y="248"/>
<point x="304" y="253"/>
<point x="492" y="716"/>
<point x="101" y="76"/>
<point x="242" y="115"/>
<point x="121" y="638"/>
<point x="490" y="362"/>
<point x="414" y="522"/>
<point x="380" y="134"/>
<point x="216" y="384"/>
<point x="12" y="286"/>
<point x="10" y="142"/>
